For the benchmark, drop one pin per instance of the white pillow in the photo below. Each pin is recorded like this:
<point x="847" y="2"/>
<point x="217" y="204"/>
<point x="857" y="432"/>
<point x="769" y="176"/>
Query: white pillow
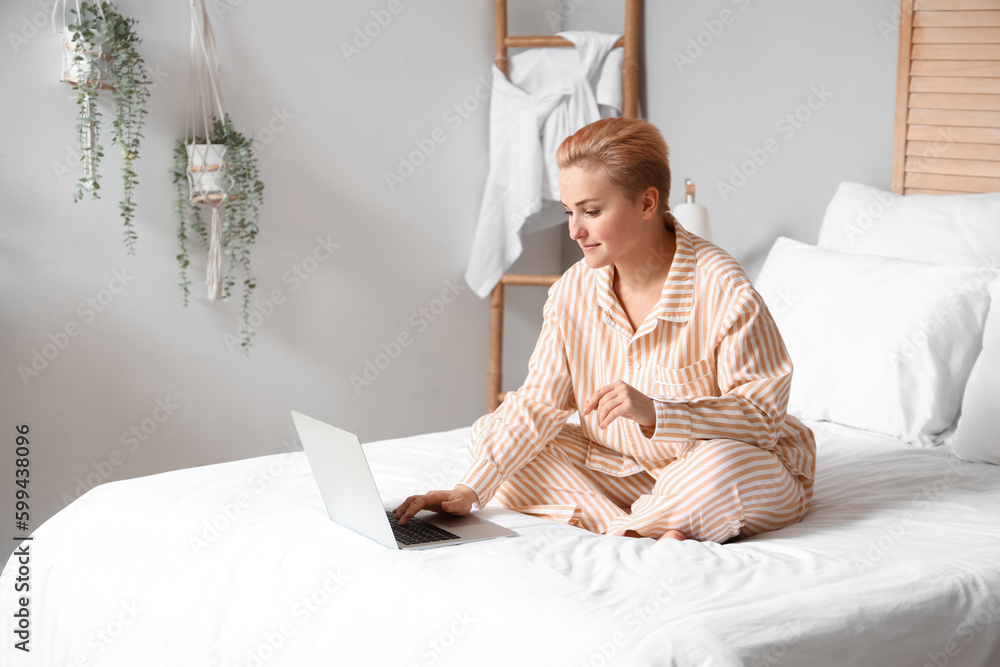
<point x="881" y="344"/>
<point x="977" y="436"/>
<point x="944" y="229"/>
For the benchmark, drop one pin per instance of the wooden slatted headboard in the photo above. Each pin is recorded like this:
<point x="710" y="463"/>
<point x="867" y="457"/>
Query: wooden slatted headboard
<point x="947" y="131"/>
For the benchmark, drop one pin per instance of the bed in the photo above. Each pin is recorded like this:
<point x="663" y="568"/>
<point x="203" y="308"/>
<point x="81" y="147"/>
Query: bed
<point x="237" y="564"/>
<point x="896" y="563"/>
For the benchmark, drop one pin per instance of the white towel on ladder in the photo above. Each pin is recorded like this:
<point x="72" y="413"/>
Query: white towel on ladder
<point x="551" y="93"/>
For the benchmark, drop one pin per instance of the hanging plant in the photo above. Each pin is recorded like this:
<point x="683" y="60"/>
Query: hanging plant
<point x="215" y="167"/>
<point x="219" y="172"/>
<point x="101" y="54"/>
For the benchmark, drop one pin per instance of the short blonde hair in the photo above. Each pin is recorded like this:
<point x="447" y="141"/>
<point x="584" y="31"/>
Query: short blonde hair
<point x="629" y="152"/>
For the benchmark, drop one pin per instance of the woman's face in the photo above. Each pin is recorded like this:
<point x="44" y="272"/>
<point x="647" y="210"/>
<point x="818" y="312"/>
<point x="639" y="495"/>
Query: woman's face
<point x="602" y="219"/>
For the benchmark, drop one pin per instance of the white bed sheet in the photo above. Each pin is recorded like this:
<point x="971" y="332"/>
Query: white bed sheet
<point x="237" y="564"/>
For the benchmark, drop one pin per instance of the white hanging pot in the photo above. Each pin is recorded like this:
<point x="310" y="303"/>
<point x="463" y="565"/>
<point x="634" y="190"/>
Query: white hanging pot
<point x="74" y="70"/>
<point x="206" y="172"/>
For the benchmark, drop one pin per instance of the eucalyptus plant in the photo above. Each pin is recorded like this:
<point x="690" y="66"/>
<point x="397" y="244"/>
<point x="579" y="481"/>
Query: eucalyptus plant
<point x="100" y="31"/>
<point x="241" y="201"/>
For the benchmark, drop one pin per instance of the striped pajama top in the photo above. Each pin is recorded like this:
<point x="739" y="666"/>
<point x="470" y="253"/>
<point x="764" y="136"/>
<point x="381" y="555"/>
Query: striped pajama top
<point x="708" y="354"/>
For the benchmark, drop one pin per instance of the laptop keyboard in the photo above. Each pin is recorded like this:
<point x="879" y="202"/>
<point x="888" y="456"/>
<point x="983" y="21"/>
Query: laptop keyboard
<point x="418" y="531"/>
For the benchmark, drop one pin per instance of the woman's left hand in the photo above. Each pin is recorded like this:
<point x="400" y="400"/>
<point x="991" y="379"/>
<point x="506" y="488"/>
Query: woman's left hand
<point x="619" y="399"/>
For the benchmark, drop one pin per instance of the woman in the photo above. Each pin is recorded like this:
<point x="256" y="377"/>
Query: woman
<point x="670" y="356"/>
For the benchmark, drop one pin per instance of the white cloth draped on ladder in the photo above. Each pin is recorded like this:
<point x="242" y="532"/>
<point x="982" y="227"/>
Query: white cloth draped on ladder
<point x="551" y="93"/>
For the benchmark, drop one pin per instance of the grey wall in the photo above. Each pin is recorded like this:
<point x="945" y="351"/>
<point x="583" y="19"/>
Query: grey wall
<point x="722" y="76"/>
<point x="328" y="131"/>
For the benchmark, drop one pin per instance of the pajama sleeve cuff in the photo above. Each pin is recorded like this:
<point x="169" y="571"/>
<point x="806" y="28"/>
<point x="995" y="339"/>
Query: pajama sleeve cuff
<point x="483" y="478"/>
<point x="673" y="421"/>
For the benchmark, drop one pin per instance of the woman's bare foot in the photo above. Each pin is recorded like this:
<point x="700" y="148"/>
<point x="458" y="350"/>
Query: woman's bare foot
<point x="670" y="534"/>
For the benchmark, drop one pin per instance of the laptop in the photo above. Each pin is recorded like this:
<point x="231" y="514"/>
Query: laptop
<point x="352" y="500"/>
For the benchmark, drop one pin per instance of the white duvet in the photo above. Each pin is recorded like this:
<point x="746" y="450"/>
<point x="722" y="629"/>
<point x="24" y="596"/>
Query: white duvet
<point x="237" y="564"/>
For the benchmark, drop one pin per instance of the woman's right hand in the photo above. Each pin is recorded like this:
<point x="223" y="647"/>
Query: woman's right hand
<point x="458" y="501"/>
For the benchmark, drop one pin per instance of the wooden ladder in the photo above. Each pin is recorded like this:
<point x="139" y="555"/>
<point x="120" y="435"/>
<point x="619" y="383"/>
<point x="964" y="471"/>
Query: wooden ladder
<point x="630" y="109"/>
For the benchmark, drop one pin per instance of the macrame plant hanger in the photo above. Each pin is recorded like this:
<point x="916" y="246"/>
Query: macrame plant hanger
<point x="206" y="172"/>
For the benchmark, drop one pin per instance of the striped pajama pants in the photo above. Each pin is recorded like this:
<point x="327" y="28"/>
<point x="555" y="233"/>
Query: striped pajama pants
<point x="714" y="490"/>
